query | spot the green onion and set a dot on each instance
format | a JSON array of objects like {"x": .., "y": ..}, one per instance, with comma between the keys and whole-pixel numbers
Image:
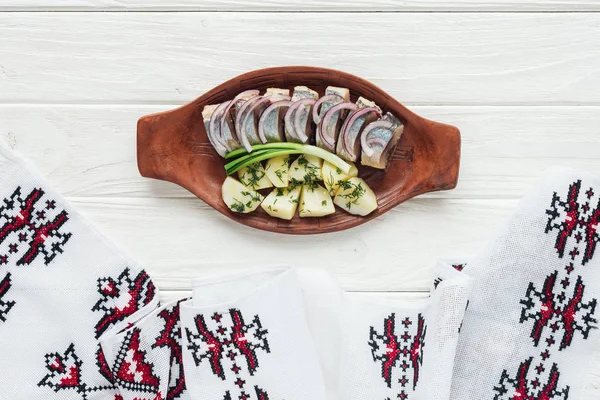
[{"x": 262, "y": 152}]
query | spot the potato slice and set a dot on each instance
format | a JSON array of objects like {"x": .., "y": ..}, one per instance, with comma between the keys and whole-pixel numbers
[
  {"x": 332, "y": 176},
  {"x": 306, "y": 168},
  {"x": 254, "y": 177},
  {"x": 282, "y": 202},
  {"x": 277, "y": 170},
  {"x": 356, "y": 197},
  {"x": 238, "y": 197},
  {"x": 315, "y": 201}
]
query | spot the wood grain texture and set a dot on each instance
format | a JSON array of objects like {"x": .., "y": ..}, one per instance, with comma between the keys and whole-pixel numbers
[
  {"x": 424, "y": 58},
  {"x": 180, "y": 239},
  {"x": 89, "y": 151},
  {"x": 173, "y": 295},
  {"x": 304, "y": 5}
]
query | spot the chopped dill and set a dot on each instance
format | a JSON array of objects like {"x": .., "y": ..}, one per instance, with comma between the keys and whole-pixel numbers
[
  {"x": 279, "y": 174},
  {"x": 302, "y": 160},
  {"x": 354, "y": 196},
  {"x": 253, "y": 175},
  {"x": 238, "y": 206}
]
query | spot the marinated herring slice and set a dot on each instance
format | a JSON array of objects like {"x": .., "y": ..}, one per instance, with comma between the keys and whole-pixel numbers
[
  {"x": 348, "y": 144},
  {"x": 271, "y": 125},
  {"x": 362, "y": 103},
  {"x": 330, "y": 125},
  {"x": 281, "y": 92},
  {"x": 249, "y": 125},
  {"x": 303, "y": 92},
  {"x": 333, "y": 95},
  {"x": 379, "y": 140},
  {"x": 228, "y": 129},
  {"x": 298, "y": 121},
  {"x": 207, "y": 113}
]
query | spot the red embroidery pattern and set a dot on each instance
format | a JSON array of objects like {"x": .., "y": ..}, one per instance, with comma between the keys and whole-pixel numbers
[
  {"x": 103, "y": 366},
  {"x": 5, "y": 305},
  {"x": 231, "y": 350},
  {"x": 459, "y": 267},
  {"x": 575, "y": 220},
  {"x": 170, "y": 338},
  {"x": 524, "y": 388},
  {"x": 560, "y": 308},
  {"x": 563, "y": 315},
  {"x": 399, "y": 353},
  {"x": 122, "y": 297},
  {"x": 31, "y": 229},
  {"x": 65, "y": 374},
  {"x": 131, "y": 369}
]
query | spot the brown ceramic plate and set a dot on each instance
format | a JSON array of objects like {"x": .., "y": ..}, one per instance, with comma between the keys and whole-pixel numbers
[{"x": 173, "y": 146}]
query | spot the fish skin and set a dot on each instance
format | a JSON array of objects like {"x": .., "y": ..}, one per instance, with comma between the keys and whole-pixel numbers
[
  {"x": 344, "y": 93},
  {"x": 283, "y": 92},
  {"x": 300, "y": 92},
  {"x": 303, "y": 92},
  {"x": 362, "y": 102},
  {"x": 355, "y": 131},
  {"x": 381, "y": 158},
  {"x": 207, "y": 113},
  {"x": 228, "y": 131}
]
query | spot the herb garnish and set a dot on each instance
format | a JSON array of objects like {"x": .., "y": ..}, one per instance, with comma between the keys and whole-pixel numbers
[
  {"x": 238, "y": 206},
  {"x": 354, "y": 196}
]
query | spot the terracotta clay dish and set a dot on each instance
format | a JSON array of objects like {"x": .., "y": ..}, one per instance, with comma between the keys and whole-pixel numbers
[{"x": 173, "y": 146}]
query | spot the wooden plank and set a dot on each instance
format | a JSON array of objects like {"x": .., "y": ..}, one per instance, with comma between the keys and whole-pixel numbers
[
  {"x": 304, "y": 5},
  {"x": 179, "y": 239},
  {"x": 172, "y": 295},
  {"x": 89, "y": 151},
  {"x": 423, "y": 58}
]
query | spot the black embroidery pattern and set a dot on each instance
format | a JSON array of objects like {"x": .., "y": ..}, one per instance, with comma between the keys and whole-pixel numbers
[
  {"x": 31, "y": 228},
  {"x": 399, "y": 355},
  {"x": 560, "y": 309},
  {"x": 231, "y": 348},
  {"x": 170, "y": 338},
  {"x": 131, "y": 369},
  {"x": 5, "y": 304},
  {"x": 122, "y": 297},
  {"x": 65, "y": 374}
]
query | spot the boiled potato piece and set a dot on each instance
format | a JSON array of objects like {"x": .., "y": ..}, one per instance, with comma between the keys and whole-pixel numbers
[
  {"x": 238, "y": 197},
  {"x": 306, "y": 168},
  {"x": 355, "y": 197},
  {"x": 282, "y": 202},
  {"x": 277, "y": 170},
  {"x": 254, "y": 177},
  {"x": 332, "y": 176},
  {"x": 315, "y": 201}
]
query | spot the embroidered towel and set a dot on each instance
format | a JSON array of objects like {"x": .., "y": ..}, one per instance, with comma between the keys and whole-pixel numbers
[
  {"x": 145, "y": 360},
  {"x": 246, "y": 337},
  {"x": 404, "y": 350},
  {"x": 62, "y": 287},
  {"x": 530, "y": 331}
]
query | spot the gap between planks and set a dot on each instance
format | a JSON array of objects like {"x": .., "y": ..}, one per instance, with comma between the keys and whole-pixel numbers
[{"x": 308, "y": 11}]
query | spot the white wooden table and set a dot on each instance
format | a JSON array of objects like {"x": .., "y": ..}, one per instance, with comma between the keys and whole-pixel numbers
[{"x": 521, "y": 79}]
